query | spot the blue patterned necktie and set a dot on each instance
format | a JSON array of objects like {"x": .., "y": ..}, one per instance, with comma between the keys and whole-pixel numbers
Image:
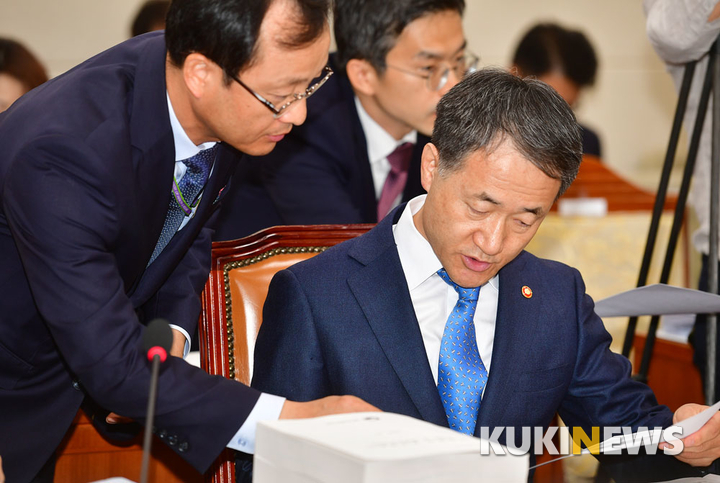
[
  {"x": 185, "y": 195},
  {"x": 462, "y": 374}
]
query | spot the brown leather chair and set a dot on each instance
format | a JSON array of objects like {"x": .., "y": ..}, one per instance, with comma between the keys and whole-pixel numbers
[{"x": 240, "y": 274}]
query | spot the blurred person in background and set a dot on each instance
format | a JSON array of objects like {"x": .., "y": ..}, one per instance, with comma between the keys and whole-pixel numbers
[
  {"x": 20, "y": 71},
  {"x": 150, "y": 17},
  {"x": 566, "y": 61}
]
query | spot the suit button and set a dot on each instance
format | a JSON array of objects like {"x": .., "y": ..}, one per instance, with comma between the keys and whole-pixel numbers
[
  {"x": 76, "y": 385},
  {"x": 172, "y": 440},
  {"x": 162, "y": 434},
  {"x": 184, "y": 446}
]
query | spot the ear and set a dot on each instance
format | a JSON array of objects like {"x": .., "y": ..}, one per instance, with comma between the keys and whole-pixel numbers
[
  {"x": 362, "y": 76},
  {"x": 429, "y": 165},
  {"x": 198, "y": 73},
  {"x": 515, "y": 70}
]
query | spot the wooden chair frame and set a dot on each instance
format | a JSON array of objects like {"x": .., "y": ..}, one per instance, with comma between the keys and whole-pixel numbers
[{"x": 219, "y": 336}]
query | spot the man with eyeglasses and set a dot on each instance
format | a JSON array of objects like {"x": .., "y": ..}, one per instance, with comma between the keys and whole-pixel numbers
[
  {"x": 110, "y": 176},
  {"x": 358, "y": 154}
]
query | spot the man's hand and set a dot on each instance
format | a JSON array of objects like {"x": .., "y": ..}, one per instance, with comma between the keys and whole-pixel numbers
[
  {"x": 702, "y": 447},
  {"x": 2, "y": 475},
  {"x": 178, "y": 344},
  {"x": 325, "y": 406}
]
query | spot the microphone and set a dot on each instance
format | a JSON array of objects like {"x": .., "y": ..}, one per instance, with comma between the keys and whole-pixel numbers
[{"x": 157, "y": 341}]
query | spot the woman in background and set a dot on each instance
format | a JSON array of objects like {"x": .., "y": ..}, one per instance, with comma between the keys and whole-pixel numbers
[{"x": 20, "y": 71}]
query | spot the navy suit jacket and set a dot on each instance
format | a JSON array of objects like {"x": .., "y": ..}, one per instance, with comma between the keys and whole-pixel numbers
[
  {"x": 320, "y": 172},
  {"x": 343, "y": 323},
  {"x": 86, "y": 170}
]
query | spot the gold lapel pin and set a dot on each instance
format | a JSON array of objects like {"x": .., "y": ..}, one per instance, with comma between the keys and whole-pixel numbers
[{"x": 527, "y": 292}]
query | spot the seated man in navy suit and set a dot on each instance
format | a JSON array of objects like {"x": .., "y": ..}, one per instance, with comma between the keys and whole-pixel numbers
[
  {"x": 442, "y": 288},
  {"x": 109, "y": 178},
  {"x": 358, "y": 154}
]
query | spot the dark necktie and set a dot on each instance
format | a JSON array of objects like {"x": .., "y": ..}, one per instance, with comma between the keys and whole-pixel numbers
[
  {"x": 461, "y": 373},
  {"x": 396, "y": 178},
  {"x": 185, "y": 195}
]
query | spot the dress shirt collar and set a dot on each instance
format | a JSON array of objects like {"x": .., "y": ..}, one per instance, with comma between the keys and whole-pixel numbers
[
  {"x": 184, "y": 147},
  {"x": 380, "y": 144},
  {"x": 417, "y": 257}
]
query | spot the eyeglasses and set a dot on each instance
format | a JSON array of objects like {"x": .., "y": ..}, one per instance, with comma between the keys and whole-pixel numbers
[
  {"x": 292, "y": 99},
  {"x": 437, "y": 77}
]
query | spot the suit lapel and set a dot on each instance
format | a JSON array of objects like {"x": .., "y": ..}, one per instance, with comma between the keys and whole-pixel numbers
[
  {"x": 158, "y": 271},
  {"x": 515, "y": 327},
  {"x": 381, "y": 291},
  {"x": 153, "y": 153},
  {"x": 362, "y": 162}
]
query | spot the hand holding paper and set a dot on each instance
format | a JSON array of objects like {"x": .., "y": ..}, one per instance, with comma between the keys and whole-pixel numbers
[{"x": 702, "y": 444}]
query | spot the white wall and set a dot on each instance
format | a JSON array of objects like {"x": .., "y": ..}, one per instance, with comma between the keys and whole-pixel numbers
[
  {"x": 632, "y": 104},
  {"x": 62, "y": 33},
  {"x": 631, "y": 107}
]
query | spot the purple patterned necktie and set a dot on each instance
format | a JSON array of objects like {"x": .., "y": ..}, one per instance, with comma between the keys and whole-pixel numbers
[
  {"x": 185, "y": 195},
  {"x": 461, "y": 373},
  {"x": 395, "y": 181}
]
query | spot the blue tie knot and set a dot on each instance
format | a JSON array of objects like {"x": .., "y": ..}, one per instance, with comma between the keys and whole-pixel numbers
[
  {"x": 185, "y": 195},
  {"x": 201, "y": 163},
  {"x": 465, "y": 294}
]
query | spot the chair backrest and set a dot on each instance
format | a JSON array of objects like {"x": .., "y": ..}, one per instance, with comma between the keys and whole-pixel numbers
[{"x": 234, "y": 295}]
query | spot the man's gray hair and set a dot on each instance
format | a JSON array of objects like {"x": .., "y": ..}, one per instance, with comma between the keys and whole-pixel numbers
[{"x": 492, "y": 106}]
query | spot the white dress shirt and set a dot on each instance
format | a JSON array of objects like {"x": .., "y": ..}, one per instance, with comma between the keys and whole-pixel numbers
[
  {"x": 433, "y": 300},
  {"x": 380, "y": 145},
  {"x": 268, "y": 407}
]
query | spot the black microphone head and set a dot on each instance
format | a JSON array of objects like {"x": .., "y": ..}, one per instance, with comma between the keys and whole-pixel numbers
[{"x": 158, "y": 334}]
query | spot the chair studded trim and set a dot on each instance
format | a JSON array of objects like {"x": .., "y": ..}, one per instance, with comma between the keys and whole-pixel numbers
[
  {"x": 243, "y": 269},
  {"x": 230, "y": 333}
]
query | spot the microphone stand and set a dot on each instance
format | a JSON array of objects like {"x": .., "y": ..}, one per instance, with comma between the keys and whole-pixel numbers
[
  {"x": 714, "y": 214},
  {"x": 147, "y": 439},
  {"x": 712, "y": 79},
  {"x": 157, "y": 341}
]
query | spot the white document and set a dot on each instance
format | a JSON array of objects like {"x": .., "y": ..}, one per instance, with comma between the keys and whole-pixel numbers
[
  {"x": 694, "y": 423},
  {"x": 375, "y": 447},
  {"x": 658, "y": 299},
  {"x": 688, "y": 427},
  {"x": 644, "y": 438}
]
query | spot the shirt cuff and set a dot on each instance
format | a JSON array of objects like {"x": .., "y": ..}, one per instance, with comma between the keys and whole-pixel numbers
[
  {"x": 186, "y": 349},
  {"x": 267, "y": 408}
]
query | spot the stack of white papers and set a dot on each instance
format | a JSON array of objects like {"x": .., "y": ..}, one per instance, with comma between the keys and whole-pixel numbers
[{"x": 377, "y": 448}]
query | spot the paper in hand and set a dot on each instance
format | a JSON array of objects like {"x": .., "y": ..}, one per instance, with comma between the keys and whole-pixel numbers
[{"x": 658, "y": 299}]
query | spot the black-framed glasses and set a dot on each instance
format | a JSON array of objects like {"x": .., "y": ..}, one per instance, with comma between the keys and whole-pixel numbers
[
  {"x": 437, "y": 77},
  {"x": 293, "y": 98}
]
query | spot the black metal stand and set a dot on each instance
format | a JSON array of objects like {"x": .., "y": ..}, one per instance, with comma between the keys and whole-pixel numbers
[
  {"x": 714, "y": 213},
  {"x": 712, "y": 77}
]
